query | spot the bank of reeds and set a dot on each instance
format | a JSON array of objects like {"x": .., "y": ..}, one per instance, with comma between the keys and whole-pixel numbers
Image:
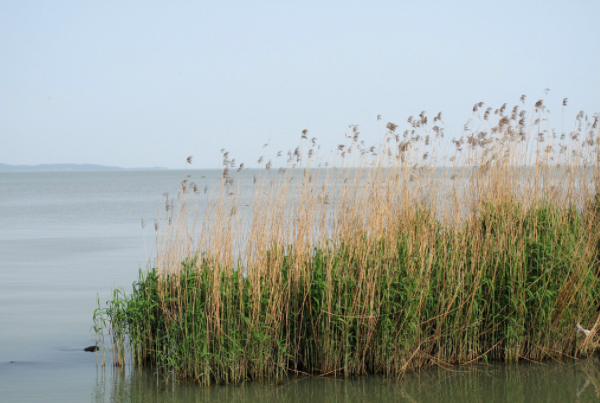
[{"x": 416, "y": 252}]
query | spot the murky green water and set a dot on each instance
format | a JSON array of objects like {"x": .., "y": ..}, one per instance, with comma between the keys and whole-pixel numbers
[
  {"x": 548, "y": 382},
  {"x": 82, "y": 381},
  {"x": 66, "y": 237}
]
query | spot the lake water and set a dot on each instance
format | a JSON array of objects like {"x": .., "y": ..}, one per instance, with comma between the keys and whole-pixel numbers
[{"x": 67, "y": 237}]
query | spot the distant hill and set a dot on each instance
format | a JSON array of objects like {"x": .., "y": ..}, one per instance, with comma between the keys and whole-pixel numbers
[{"x": 66, "y": 168}]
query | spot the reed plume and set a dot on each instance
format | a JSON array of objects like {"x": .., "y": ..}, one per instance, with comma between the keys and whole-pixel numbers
[{"x": 412, "y": 253}]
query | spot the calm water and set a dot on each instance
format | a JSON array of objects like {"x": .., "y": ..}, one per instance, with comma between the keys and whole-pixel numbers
[{"x": 66, "y": 237}]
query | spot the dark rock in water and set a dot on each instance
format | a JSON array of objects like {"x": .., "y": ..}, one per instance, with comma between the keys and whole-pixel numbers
[
  {"x": 12, "y": 362},
  {"x": 91, "y": 349}
]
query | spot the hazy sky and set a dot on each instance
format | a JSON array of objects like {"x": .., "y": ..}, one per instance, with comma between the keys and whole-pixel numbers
[{"x": 147, "y": 83}]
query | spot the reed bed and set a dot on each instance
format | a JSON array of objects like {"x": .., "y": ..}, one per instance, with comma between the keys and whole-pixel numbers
[{"x": 416, "y": 252}]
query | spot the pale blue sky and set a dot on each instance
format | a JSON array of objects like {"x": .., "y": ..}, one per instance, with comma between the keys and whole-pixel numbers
[{"x": 147, "y": 83}]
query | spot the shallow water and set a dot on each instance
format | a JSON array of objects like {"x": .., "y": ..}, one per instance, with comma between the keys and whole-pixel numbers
[
  {"x": 551, "y": 382},
  {"x": 67, "y": 237}
]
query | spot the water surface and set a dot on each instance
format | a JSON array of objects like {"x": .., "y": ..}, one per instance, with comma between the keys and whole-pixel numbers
[{"x": 67, "y": 237}]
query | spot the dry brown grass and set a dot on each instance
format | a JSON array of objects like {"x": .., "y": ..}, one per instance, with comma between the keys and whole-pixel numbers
[{"x": 419, "y": 251}]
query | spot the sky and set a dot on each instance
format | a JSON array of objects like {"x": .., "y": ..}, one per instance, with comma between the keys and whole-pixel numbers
[{"x": 149, "y": 83}]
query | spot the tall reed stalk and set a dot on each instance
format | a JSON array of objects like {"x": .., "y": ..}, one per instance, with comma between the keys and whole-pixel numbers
[{"x": 390, "y": 258}]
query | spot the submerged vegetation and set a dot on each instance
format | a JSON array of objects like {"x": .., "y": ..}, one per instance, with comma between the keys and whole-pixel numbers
[{"x": 413, "y": 253}]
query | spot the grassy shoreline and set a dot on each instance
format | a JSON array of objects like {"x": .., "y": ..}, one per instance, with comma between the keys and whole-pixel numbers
[{"x": 386, "y": 269}]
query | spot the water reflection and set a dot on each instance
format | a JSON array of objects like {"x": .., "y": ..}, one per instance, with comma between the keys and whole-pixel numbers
[{"x": 567, "y": 381}]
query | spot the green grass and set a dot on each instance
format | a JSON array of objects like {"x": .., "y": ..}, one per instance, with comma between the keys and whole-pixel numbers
[
  {"x": 506, "y": 290},
  {"x": 395, "y": 258}
]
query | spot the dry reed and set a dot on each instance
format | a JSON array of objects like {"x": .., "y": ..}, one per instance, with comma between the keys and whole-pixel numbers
[{"x": 389, "y": 258}]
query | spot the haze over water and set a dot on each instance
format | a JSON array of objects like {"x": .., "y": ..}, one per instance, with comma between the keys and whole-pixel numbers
[{"x": 66, "y": 237}]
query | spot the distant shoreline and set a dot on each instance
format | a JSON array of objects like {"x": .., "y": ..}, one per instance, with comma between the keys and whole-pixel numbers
[{"x": 69, "y": 168}]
